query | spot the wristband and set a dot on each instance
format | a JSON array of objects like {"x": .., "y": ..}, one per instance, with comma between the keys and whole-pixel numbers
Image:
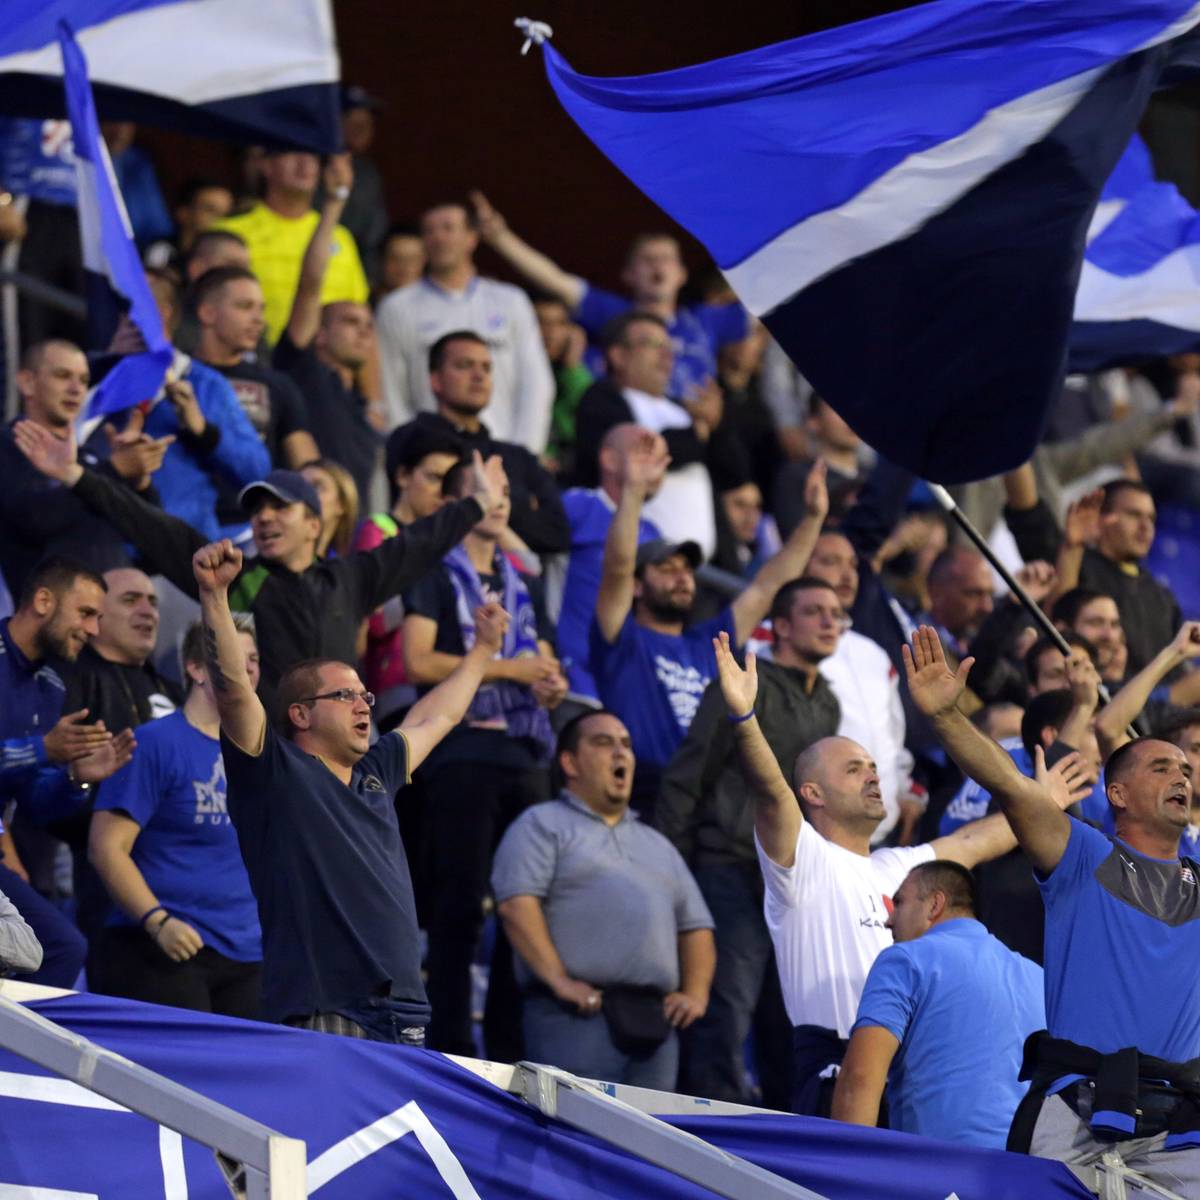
[
  {"x": 149, "y": 913},
  {"x": 744, "y": 717},
  {"x": 160, "y": 926}
]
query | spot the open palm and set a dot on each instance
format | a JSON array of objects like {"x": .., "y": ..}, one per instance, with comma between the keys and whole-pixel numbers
[
  {"x": 737, "y": 686},
  {"x": 933, "y": 686}
]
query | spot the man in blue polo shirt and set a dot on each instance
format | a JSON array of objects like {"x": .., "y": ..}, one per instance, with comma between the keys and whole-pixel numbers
[
  {"x": 925, "y": 1002},
  {"x": 650, "y": 667},
  {"x": 1114, "y": 1077},
  {"x": 315, "y": 819}
]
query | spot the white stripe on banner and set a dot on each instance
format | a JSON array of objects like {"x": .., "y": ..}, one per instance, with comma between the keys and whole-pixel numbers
[
  {"x": 219, "y": 49},
  {"x": 15, "y": 1191},
  {"x": 1169, "y": 292},
  {"x": 170, "y": 1152},
  {"x": 53, "y": 1091},
  {"x": 914, "y": 191},
  {"x": 352, "y": 1150},
  {"x": 89, "y": 218}
]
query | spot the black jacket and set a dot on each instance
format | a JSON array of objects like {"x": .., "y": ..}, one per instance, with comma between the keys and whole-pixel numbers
[
  {"x": 537, "y": 516},
  {"x": 704, "y": 803},
  {"x": 121, "y": 696},
  {"x": 313, "y": 614}
]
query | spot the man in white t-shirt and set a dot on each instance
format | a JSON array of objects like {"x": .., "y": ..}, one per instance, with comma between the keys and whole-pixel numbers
[{"x": 828, "y": 896}]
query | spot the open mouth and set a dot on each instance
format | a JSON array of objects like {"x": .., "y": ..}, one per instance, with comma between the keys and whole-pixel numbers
[
  {"x": 363, "y": 727},
  {"x": 621, "y": 773}
]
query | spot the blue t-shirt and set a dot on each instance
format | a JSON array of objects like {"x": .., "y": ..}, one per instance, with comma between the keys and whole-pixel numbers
[
  {"x": 973, "y": 801},
  {"x": 961, "y": 1005},
  {"x": 590, "y": 513},
  {"x": 653, "y": 681},
  {"x": 698, "y": 331},
  {"x": 187, "y": 851},
  {"x": 329, "y": 870},
  {"x": 1123, "y": 948}
]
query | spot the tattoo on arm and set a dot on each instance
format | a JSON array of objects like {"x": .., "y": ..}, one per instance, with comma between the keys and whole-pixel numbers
[{"x": 212, "y": 660}]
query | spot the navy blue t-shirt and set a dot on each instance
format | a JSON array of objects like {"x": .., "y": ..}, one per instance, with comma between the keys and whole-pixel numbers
[
  {"x": 329, "y": 870},
  {"x": 187, "y": 851},
  {"x": 653, "y": 681},
  {"x": 1123, "y": 948}
]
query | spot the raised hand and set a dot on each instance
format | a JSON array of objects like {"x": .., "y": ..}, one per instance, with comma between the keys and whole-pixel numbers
[
  {"x": 551, "y": 691},
  {"x": 1067, "y": 782},
  {"x": 105, "y": 761},
  {"x": 1083, "y": 678},
  {"x": 816, "y": 491},
  {"x": 490, "y": 478},
  {"x": 1082, "y": 526},
  {"x": 135, "y": 455},
  {"x": 187, "y": 408},
  {"x": 55, "y": 457},
  {"x": 216, "y": 565},
  {"x": 491, "y": 624},
  {"x": 933, "y": 686},
  {"x": 1038, "y": 579},
  {"x": 1186, "y": 643},
  {"x": 644, "y": 464},
  {"x": 487, "y": 220},
  {"x": 71, "y": 739},
  {"x": 739, "y": 687},
  {"x": 338, "y": 173}
]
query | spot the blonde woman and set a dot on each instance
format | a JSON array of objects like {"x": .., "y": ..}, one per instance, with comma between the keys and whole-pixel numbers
[{"x": 339, "y": 505}]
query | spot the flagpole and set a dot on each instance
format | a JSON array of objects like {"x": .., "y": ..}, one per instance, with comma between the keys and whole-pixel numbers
[{"x": 1031, "y": 606}]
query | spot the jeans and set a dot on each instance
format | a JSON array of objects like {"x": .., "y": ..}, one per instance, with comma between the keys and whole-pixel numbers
[
  {"x": 561, "y": 1038},
  {"x": 63, "y": 947},
  {"x": 745, "y": 994}
]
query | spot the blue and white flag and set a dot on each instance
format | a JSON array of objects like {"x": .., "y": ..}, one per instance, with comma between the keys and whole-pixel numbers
[
  {"x": 110, "y": 257},
  {"x": 245, "y": 70},
  {"x": 905, "y": 201},
  {"x": 1139, "y": 294}
]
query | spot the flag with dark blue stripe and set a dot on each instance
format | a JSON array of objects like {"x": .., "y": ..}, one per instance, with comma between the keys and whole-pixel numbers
[
  {"x": 110, "y": 257},
  {"x": 905, "y": 201},
  {"x": 1139, "y": 294}
]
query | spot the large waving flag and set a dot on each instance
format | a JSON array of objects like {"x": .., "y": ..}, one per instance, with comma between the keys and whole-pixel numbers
[
  {"x": 246, "y": 70},
  {"x": 905, "y": 201},
  {"x": 110, "y": 256},
  {"x": 1139, "y": 294}
]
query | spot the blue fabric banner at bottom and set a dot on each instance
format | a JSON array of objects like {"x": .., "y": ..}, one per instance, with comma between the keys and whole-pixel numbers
[{"x": 381, "y": 1122}]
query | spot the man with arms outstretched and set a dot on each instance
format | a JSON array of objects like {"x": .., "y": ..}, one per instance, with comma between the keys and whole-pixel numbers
[
  {"x": 828, "y": 896},
  {"x": 1116, "y": 1076},
  {"x": 313, "y": 809}
]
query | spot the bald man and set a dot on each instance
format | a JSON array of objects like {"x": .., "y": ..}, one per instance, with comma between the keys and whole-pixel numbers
[
  {"x": 590, "y": 512},
  {"x": 828, "y": 896}
]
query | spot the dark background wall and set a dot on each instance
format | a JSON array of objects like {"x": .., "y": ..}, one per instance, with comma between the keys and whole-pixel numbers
[{"x": 464, "y": 109}]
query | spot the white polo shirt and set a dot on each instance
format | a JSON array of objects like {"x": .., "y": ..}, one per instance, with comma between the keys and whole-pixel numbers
[{"x": 826, "y": 916}]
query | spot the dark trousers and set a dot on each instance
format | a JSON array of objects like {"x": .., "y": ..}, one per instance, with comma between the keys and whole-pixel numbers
[
  {"x": 745, "y": 995},
  {"x": 135, "y": 968},
  {"x": 468, "y": 807},
  {"x": 817, "y": 1054},
  {"x": 63, "y": 946}
]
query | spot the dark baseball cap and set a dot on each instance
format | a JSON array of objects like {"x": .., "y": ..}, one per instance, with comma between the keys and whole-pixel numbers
[
  {"x": 289, "y": 486},
  {"x": 659, "y": 550}
]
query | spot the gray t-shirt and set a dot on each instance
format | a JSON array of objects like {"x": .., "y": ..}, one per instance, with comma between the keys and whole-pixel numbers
[{"x": 616, "y": 897}]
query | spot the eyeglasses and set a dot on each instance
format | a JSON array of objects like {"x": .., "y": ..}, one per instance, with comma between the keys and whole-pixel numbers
[{"x": 344, "y": 695}]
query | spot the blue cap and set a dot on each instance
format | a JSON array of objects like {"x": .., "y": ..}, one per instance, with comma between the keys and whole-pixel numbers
[{"x": 289, "y": 486}]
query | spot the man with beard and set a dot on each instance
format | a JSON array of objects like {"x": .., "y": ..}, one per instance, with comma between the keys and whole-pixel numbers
[
  {"x": 828, "y": 894},
  {"x": 49, "y": 761},
  {"x": 650, "y": 667}
]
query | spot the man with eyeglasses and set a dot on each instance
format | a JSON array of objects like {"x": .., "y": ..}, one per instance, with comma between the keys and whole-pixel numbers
[
  {"x": 705, "y": 810},
  {"x": 313, "y": 809}
]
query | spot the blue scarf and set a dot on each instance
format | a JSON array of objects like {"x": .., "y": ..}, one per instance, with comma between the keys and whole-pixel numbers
[{"x": 511, "y": 702}]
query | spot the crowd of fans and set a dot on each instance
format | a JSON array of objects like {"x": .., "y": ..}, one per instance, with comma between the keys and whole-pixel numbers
[{"x": 553, "y": 674}]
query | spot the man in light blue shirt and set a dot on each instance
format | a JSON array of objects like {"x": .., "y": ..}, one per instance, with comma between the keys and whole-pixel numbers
[{"x": 943, "y": 1019}]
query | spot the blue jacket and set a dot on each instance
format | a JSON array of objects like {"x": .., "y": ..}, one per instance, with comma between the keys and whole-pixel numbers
[
  {"x": 31, "y": 701},
  {"x": 230, "y": 448}
]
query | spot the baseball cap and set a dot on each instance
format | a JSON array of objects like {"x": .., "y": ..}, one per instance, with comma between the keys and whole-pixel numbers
[
  {"x": 289, "y": 486},
  {"x": 659, "y": 550}
]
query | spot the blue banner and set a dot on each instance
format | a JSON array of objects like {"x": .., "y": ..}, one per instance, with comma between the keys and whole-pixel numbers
[{"x": 383, "y": 1122}]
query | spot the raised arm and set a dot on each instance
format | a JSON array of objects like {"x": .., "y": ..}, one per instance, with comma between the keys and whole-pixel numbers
[
  {"x": 1040, "y": 825},
  {"x": 788, "y": 563},
  {"x": 642, "y": 470},
  {"x": 439, "y": 710},
  {"x": 1114, "y": 719},
  {"x": 165, "y": 543},
  {"x": 777, "y": 816},
  {"x": 541, "y": 270},
  {"x": 305, "y": 317},
  {"x": 243, "y": 718}
]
